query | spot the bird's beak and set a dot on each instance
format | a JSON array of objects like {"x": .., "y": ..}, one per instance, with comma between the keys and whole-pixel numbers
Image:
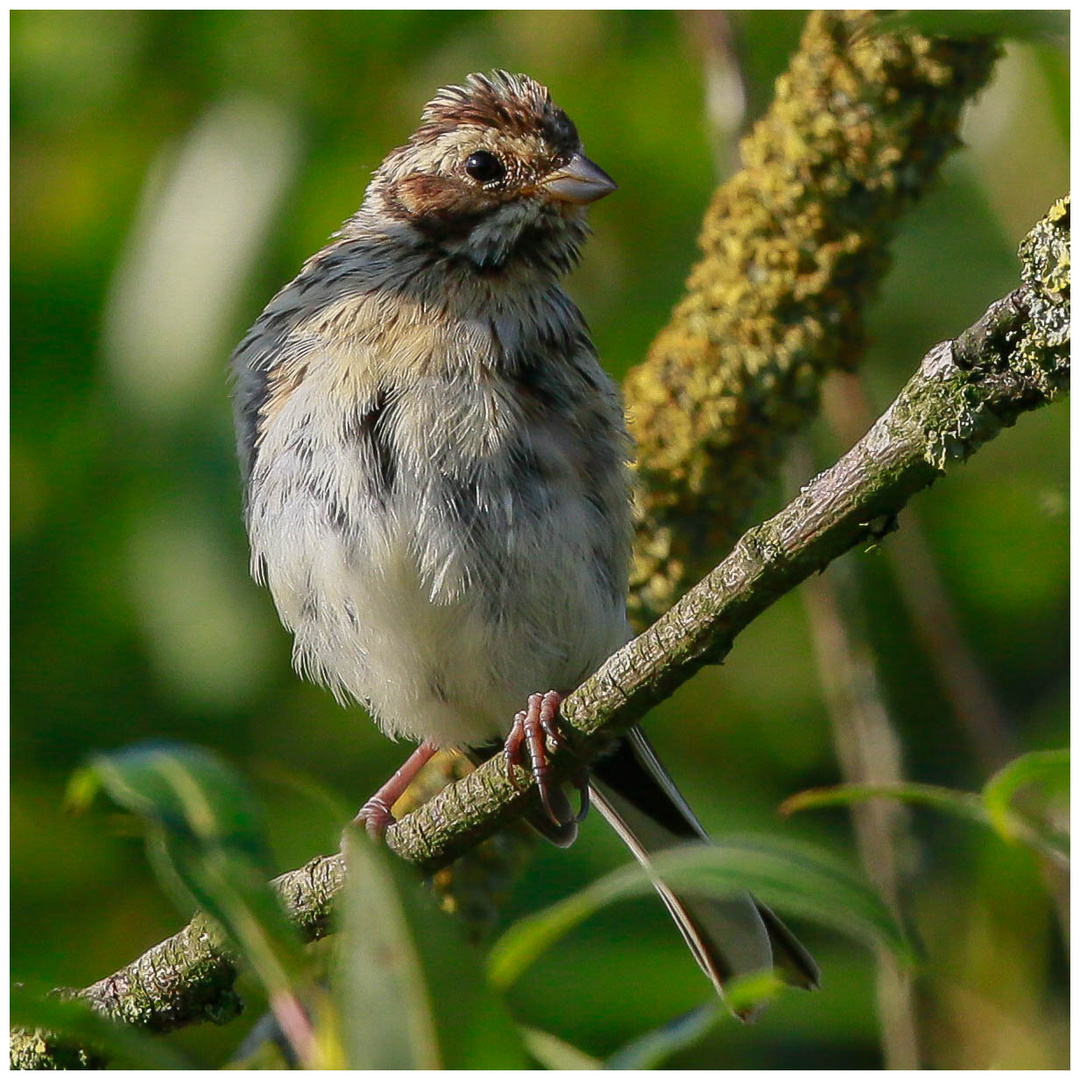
[{"x": 579, "y": 181}]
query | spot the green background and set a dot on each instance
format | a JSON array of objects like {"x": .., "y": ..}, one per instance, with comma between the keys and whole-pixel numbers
[{"x": 169, "y": 171}]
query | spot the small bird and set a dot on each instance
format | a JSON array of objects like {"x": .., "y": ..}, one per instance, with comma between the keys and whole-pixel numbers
[{"x": 437, "y": 484}]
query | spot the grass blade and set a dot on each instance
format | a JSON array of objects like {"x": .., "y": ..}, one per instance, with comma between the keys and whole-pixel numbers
[
  {"x": 1048, "y": 768},
  {"x": 207, "y": 841},
  {"x": 794, "y": 878},
  {"x": 555, "y": 1053},
  {"x": 412, "y": 993}
]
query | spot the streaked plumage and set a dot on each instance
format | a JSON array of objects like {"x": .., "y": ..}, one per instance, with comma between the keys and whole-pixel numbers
[
  {"x": 437, "y": 490},
  {"x": 435, "y": 463}
]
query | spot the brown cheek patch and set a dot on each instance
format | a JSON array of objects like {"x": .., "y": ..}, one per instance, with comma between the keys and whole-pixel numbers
[{"x": 439, "y": 206}]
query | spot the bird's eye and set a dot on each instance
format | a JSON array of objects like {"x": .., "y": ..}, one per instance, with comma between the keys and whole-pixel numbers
[{"x": 484, "y": 167}]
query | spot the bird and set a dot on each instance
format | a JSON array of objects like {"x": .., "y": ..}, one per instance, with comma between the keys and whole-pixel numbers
[{"x": 437, "y": 481}]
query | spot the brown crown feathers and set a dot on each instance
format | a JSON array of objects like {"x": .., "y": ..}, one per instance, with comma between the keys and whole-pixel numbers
[{"x": 495, "y": 169}]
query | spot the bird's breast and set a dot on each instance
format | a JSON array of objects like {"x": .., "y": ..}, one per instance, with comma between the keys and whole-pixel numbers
[{"x": 437, "y": 496}]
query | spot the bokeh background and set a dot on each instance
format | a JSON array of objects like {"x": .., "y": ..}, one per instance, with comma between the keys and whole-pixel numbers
[{"x": 169, "y": 171}]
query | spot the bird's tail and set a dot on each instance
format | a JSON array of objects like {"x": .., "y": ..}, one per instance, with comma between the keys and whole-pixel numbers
[{"x": 729, "y": 936}]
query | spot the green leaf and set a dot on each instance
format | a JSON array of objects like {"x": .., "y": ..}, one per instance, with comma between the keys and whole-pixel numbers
[
  {"x": 412, "y": 994},
  {"x": 187, "y": 790},
  {"x": 991, "y": 809},
  {"x": 555, "y": 1053},
  {"x": 959, "y": 803},
  {"x": 791, "y": 877},
  {"x": 122, "y": 1045},
  {"x": 1049, "y": 768},
  {"x": 207, "y": 841},
  {"x": 746, "y": 993},
  {"x": 81, "y": 789}
]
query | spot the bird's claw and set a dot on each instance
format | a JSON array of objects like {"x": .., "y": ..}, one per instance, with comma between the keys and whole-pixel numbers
[
  {"x": 530, "y": 733},
  {"x": 375, "y": 816}
]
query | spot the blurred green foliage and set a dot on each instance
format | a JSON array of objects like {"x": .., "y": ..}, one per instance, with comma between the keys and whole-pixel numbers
[{"x": 169, "y": 170}]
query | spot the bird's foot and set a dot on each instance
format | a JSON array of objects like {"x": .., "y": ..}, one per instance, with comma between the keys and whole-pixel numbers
[
  {"x": 375, "y": 815},
  {"x": 533, "y": 730}
]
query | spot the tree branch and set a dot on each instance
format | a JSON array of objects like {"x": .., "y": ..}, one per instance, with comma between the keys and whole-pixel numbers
[
  {"x": 794, "y": 247},
  {"x": 1013, "y": 360}
]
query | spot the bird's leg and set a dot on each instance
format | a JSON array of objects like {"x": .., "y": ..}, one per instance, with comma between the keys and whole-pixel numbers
[
  {"x": 531, "y": 731},
  {"x": 375, "y": 815}
]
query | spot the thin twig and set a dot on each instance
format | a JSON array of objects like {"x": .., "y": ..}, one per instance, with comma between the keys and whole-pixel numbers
[{"x": 868, "y": 750}]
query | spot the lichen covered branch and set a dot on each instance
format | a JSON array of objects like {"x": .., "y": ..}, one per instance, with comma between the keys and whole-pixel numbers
[{"x": 793, "y": 249}]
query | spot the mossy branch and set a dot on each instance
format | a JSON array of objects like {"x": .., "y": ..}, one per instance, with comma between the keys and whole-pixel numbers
[
  {"x": 794, "y": 247},
  {"x": 1013, "y": 360}
]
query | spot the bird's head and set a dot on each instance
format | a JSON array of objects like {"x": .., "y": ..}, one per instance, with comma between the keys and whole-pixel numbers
[{"x": 495, "y": 173}]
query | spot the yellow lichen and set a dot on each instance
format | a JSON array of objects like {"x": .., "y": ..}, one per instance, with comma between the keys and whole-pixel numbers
[{"x": 793, "y": 247}]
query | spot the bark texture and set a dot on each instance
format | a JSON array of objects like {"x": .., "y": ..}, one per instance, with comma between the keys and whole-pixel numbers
[{"x": 794, "y": 247}]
